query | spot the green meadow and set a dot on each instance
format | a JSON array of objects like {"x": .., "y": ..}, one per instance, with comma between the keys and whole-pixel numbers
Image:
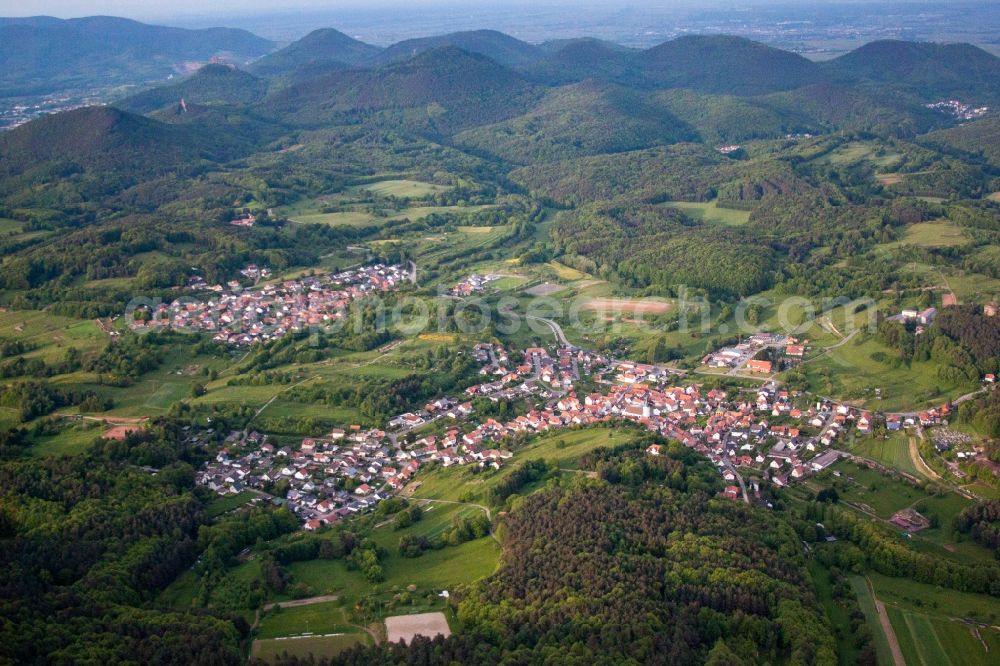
[
  {"x": 409, "y": 189},
  {"x": 710, "y": 211}
]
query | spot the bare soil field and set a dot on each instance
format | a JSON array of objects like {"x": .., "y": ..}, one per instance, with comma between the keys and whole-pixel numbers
[
  {"x": 544, "y": 289},
  {"x": 405, "y": 627},
  {"x": 645, "y": 306}
]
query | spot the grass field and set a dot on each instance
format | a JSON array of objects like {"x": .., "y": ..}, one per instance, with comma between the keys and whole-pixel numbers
[
  {"x": 867, "y": 603},
  {"x": 710, "y": 211},
  {"x": 564, "y": 272},
  {"x": 935, "y": 600},
  {"x": 561, "y": 448},
  {"x": 324, "y": 618},
  {"x": 75, "y": 438},
  {"x": 268, "y": 650},
  {"x": 880, "y": 494},
  {"x": 941, "y": 233},
  {"x": 8, "y": 225},
  {"x": 927, "y": 641},
  {"x": 51, "y": 334},
  {"x": 223, "y": 504},
  {"x": 851, "y": 373},
  {"x": 509, "y": 283},
  {"x": 434, "y": 570},
  {"x": 847, "y": 652},
  {"x": 180, "y": 593},
  {"x": 411, "y": 189},
  {"x": 894, "y": 451}
]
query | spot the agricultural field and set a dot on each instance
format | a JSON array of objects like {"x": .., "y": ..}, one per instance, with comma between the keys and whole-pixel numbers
[
  {"x": 51, "y": 335},
  {"x": 361, "y": 218},
  {"x": 873, "y": 493},
  {"x": 866, "y": 600},
  {"x": 935, "y": 600},
  {"x": 935, "y": 641},
  {"x": 711, "y": 212},
  {"x": 893, "y": 451}
]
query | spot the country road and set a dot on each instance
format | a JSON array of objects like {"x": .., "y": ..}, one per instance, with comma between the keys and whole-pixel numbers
[{"x": 556, "y": 329}]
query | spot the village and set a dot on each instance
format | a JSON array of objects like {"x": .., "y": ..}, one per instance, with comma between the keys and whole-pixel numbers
[
  {"x": 243, "y": 317},
  {"x": 752, "y": 436}
]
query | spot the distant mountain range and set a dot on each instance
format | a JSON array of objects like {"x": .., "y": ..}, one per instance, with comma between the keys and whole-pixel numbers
[
  {"x": 43, "y": 54},
  {"x": 506, "y": 100}
]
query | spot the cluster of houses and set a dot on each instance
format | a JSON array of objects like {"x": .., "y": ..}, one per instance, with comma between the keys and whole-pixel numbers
[
  {"x": 770, "y": 434},
  {"x": 245, "y": 317},
  {"x": 324, "y": 480},
  {"x": 472, "y": 284},
  {"x": 959, "y": 110}
]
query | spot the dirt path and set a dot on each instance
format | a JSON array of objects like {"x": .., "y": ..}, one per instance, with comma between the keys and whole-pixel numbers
[
  {"x": 485, "y": 509},
  {"x": 110, "y": 420},
  {"x": 275, "y": 397},
  {"x": 919, "y": 463},
  {"x": 890, "y": 634},
  {"x": 302, "y": 602}
]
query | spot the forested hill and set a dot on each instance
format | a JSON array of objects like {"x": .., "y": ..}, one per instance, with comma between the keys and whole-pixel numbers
[
  {"x": 505, "y": 49},
  {"x": 324, "y": 47},
  {"x": 928, "y": 71},
  {"x": 640, "y": 567},
  {"x": 98, "y": 138},
  {"x": 723, "y": 64},
  {"x": 447, "y": 89},
  {"x": 212, "y": 84},
  {"x": 41, "y": 54}
]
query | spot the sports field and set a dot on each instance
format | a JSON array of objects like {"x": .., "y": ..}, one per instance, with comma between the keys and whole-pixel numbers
[
  {"x": 407, "y": 627},
  {"x": 268, "y": 650}
]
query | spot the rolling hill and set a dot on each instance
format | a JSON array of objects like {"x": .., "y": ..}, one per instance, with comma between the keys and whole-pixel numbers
[
  {"x": 722, "y": 119},
  {"x": 588, "y": 118},
  {"x": 580, "y": 59},
  {"x": 825, "y": 106},
  {"x": 42, "y": 54},
  {"x": 928, "y": 71},
  {"x": 94, "y": 152},
  {"x": 320, "y": 48},
  {"x": 725, "y": 65},
  {"x": 497, "y": 46},
  {"x": 442, "y": 90},
  {"x": 210, "y": 85},
  {"x": 981, "y": 137}
]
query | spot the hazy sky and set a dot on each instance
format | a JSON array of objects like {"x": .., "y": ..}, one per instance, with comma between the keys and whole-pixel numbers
[
  {"x": 162, "y": 8},
  {"x": 166, "y": 8}
]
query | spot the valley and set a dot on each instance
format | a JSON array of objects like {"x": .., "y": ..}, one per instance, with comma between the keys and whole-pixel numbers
[{"x": 683, "y": 354}]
